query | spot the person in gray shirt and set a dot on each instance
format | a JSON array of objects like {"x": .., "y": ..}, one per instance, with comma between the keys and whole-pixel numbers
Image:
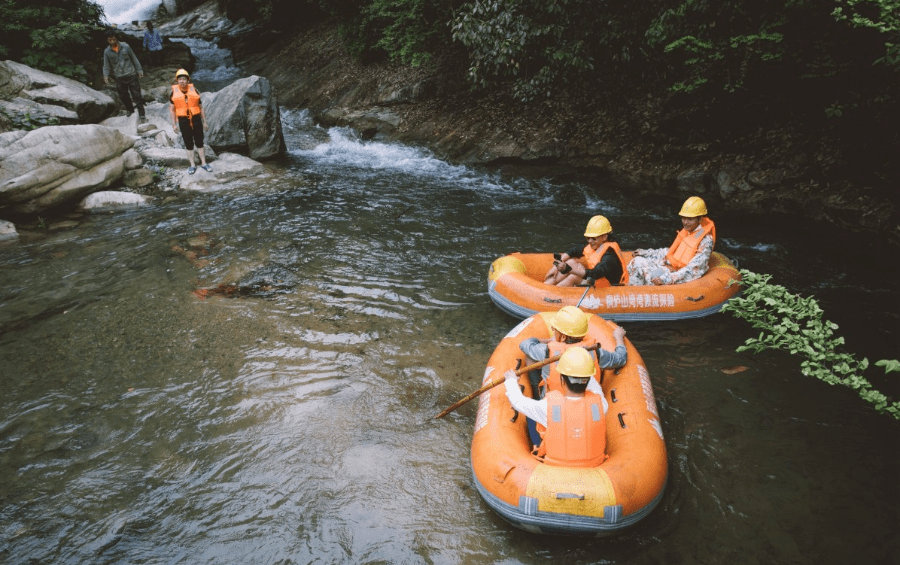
[{"x": 122, "y": 64}]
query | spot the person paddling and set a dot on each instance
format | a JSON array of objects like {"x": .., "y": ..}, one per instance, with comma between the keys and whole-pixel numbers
[
  {"x": 571, "y": 420},
  {"x": 569, "y": 327}
]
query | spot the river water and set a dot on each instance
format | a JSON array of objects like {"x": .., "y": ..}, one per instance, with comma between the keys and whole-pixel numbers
[{"x": 289, "y": 420}]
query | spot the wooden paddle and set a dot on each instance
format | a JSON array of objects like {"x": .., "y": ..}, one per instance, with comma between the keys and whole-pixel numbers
[{"x": 497, "y": 380}]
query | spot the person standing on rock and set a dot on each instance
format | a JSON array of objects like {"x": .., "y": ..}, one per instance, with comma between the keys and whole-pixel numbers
[
  {"x": 152, "y": 44},
  {"x": 186, "y": 109},
  {"x": 120, "y": 61}
]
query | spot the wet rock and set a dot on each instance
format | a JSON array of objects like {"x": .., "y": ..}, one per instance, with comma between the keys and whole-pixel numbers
[
  {"x": 26, "y": 114},
  {"x": 107, "y": 199},
  {"x": 146, "y": 128},
  {"x": 131, "y": 159},
  {"x": 7, "y": 230},
  {"x": 730, "y": 181},
  {"x": 694, "y": 181},
  {"x": 138, "y": 178},
  {"x": 172, "y": 157},
  {"x": 267, "y": 280},
  {"x": 229, "y": 171},
  {"x": 205, "y": 22},
  {"x": 18, "y": 81},
  {"x": 368, "y": 122},
  {"x": 52, "y": 165},
  {"x": 245, "y": 118}
]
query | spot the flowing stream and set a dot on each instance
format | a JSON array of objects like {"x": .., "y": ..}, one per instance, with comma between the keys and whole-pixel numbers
[{"x": 250, "y": 376}]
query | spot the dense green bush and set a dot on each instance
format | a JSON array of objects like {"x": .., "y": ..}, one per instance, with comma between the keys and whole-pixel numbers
[
  {"x": 795, "y": 324},
  {"x": 47, "y": 35},
  {"x": 539, "y": 45}
]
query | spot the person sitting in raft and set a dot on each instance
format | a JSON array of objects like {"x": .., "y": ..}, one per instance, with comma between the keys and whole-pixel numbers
[
  {"x": 573, "y": 419},
  {"x": 599, "y": 260},
  {"x": 569, "y": 327},
  {"x": 686, "y": 259}
]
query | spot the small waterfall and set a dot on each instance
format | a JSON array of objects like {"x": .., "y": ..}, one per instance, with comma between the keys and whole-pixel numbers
[{"x": 215, "y": 68}]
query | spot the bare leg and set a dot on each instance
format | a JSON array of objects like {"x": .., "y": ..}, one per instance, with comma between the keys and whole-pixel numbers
[
  {"x": 571, "y": 278},
  {"x": 190, "y": 153},
  {"x": 552, "y": 275},
  {"x": 202, "y": 152}
]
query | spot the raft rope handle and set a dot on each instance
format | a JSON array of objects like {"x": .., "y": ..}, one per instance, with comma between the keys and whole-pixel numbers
[
  {"x": 622, "y": 420},
  {"x": 570, "y": 495},
  {"x": 612, "y": 395},
  {"x": 692, "y": 299}
]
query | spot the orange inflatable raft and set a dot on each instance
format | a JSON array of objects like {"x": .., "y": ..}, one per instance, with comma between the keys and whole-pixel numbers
[
  {"x": 515, "y": 284},
  {"x": 544, "y": 498}
]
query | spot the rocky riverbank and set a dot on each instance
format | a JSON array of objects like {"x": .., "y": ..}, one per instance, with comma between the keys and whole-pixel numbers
[
  {"x": 782, "y": 169},
  {"x": 46, "y": 169}
]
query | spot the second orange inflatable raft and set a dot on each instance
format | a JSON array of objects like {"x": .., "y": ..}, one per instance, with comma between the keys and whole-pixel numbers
[
  {"x": 515, "y": 284},
  {"x": 551, "y": 499}
]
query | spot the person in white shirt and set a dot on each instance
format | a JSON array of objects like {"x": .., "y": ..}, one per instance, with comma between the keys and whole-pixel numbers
[{"x": 573, "y": 418}]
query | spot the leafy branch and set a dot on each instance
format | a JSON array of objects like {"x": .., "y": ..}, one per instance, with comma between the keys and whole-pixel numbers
[{"x": 789, "y": 322}]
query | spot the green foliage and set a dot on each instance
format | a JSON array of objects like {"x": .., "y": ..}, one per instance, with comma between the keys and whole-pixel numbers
[
  {"x": 736, "y": 43},
  {"x": 402, "y": 29},
  {"x": 27, "y": 121},
  {"x": 54, "y": 63},
  {"x": 791, "y": 323},
  {"x": 536, "y": 43},
  {"x": 834, "y": 111},
  {"x": 45, "y": 35},
  {"x": 880, "y": 15}
]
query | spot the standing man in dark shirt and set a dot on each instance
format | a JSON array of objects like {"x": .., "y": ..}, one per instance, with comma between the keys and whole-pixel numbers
[{"x": 122, "y": 64}]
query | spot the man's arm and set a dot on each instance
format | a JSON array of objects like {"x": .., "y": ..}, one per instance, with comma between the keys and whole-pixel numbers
[
  {"x": 617, "y": 358},
  {"x": 532, "y": 409},
  {"x": 106, "y": 65},
  {"x": 534, "y": 349},
  {"x": 135, "y": 62},
  {"x": 594, "y": 386}
]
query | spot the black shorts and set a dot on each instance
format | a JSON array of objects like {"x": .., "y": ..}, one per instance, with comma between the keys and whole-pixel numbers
[{"x": 191, "y": 131}]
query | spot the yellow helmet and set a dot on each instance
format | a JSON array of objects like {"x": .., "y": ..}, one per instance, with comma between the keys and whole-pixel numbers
[
  {"x": 571, "y": 321},
  {"x": 182, "y": 72},
  {"x": 576, "y": 362},
  {"x": 598, "y": 225},
  {"x": 693, "y": 207}
]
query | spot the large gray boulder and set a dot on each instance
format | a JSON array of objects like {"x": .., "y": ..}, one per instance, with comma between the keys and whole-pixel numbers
[
  {"x": 21, "y": 82},
  {"x": 244, "y": 118},
  {"x": 46, "y": 167},
  {"x": 230, "y": 171}
]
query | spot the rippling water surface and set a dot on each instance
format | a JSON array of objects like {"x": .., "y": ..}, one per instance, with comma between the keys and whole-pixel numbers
[{"x": 148, "y": 419}]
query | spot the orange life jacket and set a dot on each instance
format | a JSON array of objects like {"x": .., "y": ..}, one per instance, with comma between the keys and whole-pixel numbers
[
  {"x": 576, "y": 431},
  {"x": 592, "y": 258},
  {"x": 186, "y": 104},
  {"x": 556, "y": 348},
  {"x": 686, "y": 243}
]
